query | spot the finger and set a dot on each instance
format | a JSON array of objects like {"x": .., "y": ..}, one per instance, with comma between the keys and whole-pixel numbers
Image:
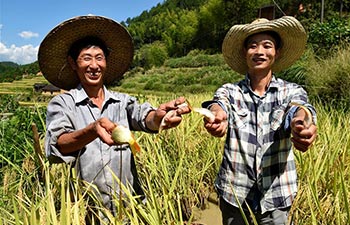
[
  {"x": 303, "y": 142},
  {"x": 183, "y": 110},
  {"x": 171, "y": 122},
  {"x": 216, "y": 129},
  {"x": 168, "y": 106},
  {"x": 305, "y": 134},
  {"x": 299, "y": 146},
  {"x": 106, "y": 124},
  {"x": 106, "y": 137},
  {"x": 179, "y": 101}
]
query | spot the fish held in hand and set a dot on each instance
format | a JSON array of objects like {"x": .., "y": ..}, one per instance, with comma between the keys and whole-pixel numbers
[
  {"x": 122, "y": 135},
  {"x": 172, "y": 113},
  {"x": 308, "y": 115},
  {"x": 208, "y": 115}
]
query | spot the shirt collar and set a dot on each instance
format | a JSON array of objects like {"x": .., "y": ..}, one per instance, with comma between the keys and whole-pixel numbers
[
  {"x": 82, "y": 96},
  {"x": 273, "y": 84}
]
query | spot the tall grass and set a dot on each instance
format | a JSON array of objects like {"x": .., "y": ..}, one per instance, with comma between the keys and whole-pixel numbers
[
  {"x": 324, "y": 172},
  {"x": 177, "y": 169},
  {"x": 329, "y": 79}
]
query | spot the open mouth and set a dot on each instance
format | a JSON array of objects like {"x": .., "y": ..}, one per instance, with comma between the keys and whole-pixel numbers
[
  {"x": 259, "y": 60},
  {"x": 94, "y": 74}
]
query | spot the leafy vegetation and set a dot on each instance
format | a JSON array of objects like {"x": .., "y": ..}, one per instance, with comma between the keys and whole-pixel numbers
[
  {"x": 10, "y": 71},
  {"x": 335, "y": 34}
]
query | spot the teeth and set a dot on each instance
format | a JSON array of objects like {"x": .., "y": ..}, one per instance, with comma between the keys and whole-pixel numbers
[{"x": 94, "y": 74}]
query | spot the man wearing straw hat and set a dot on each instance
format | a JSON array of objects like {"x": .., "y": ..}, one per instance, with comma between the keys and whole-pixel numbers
[
  {"x": 262, "y": 117},
  {"x": 82, "y": 55}
]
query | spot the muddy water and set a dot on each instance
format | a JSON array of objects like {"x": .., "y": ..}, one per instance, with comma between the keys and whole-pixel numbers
[{"x": 210, "y": 216}]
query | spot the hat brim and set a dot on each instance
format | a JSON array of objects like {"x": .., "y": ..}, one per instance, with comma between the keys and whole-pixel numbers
[
  {"x": 53, "y": 51},
  {"x": 293, "y": 42}
]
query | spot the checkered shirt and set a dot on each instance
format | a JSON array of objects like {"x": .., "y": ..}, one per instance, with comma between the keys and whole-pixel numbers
[{"x": 258, "y": 154}]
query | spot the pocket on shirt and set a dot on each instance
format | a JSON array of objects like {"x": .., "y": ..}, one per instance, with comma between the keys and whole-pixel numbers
[
  {"x": 277, "y": 116},
  {"x": 238, "y": 117}
]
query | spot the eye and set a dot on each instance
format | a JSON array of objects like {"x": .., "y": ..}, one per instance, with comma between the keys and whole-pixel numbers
[
  {"x": 87, "y": 58},
  {"x": 252, "y": 46},
  {"x": 100, "y": 58},
  {"x": 268, "y": 45}
]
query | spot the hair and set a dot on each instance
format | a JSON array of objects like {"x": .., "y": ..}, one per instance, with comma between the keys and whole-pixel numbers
[
  {"x": 87, "y": 42},
  {"x": 273, "y": 34}
]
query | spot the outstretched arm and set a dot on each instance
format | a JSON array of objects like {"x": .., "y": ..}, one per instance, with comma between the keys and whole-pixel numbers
[{"x": 73, "y": 141}]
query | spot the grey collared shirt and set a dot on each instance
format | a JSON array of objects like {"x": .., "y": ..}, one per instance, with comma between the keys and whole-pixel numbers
[{"x": 73, "y": 111}]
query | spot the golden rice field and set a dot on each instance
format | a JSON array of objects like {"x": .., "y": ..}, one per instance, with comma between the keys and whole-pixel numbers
[{"x": 177, "y": 169}]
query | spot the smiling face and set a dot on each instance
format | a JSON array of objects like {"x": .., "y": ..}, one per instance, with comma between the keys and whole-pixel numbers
[
  {"x": 261, "y": 52},
  {"x": 87, "y": 57},
  {"x": 90, "y": 66}
]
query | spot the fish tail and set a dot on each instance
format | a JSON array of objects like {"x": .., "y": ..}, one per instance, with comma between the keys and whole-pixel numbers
[{"x": 135, "y": 147}]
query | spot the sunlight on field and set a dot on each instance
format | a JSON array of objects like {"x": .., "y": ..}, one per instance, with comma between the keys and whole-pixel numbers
[{"x": 177, "y": 169}]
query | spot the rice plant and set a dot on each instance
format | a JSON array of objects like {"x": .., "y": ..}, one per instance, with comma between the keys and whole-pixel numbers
[{"x": 177, "y": 168}]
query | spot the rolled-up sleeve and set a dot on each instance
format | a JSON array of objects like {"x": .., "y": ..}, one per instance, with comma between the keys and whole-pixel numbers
[
  {"x": 299, "y": 97},
  {"x": 221, "y": 97},
  {"x": 137, "y": 114},
  {"x": 58, "y": 121}
]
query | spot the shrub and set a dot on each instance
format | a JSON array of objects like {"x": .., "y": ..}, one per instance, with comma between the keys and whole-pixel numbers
[
  {"x": 15, "y": 130},
  {"x": 330, "y": 79},
  {"x": 195, "y": 60},
  {"x": 326, "y": 38},
  {"x": 150, "y": 55}
]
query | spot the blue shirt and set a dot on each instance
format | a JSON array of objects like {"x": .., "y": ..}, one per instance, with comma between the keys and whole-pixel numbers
[
  {"x": 73, "y": 111},
  {"x": 258, "y": 162}
]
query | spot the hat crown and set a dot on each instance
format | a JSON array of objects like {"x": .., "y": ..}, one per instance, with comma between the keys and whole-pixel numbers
[{"x": 260, "y": 20}]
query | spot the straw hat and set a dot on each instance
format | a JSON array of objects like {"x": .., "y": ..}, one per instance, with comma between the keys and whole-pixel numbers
[
  {"x": 53, "y": 50},
  {"x": 293, "y": 42}
]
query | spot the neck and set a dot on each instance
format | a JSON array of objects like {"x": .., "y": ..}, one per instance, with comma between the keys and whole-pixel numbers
[
  {"x": 96, "y": 95},
  {"x": 259, "y": 82}
]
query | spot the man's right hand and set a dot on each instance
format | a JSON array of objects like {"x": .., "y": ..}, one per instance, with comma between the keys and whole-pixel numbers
[{"x": 218, "y": 127}]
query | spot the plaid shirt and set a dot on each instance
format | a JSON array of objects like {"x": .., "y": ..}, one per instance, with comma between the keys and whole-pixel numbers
[{"x": 258, "y": 162}]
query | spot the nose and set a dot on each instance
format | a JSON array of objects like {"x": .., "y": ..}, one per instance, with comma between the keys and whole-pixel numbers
[
  {"x": 93, "y": 63},
  {"x": 259, "y": 49}
]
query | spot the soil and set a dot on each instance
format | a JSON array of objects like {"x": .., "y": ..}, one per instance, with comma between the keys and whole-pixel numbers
[{"x": 211, "y": 215}]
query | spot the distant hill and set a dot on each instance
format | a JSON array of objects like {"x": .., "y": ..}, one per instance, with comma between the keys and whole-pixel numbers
[
  {"x": 10, "y": 71},
  {"x": 8, "y": 64}
]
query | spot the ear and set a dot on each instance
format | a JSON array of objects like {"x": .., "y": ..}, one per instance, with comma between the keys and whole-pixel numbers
[
  {"x": 277, "y": 54},
  {"x": 72, "y": 63}
]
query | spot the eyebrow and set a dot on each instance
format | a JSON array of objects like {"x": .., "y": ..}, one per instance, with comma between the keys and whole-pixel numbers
[{"x": 263, "y": 41}]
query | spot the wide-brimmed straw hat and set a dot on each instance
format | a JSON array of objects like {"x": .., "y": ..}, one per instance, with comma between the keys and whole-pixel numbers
[
  {"x": 53, "y": 51},
  {"x": 293, "y": 42}
]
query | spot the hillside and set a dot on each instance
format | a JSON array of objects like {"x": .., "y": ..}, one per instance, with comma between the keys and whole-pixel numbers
[
  {"x": 178, "y": 29},
  {"x": 10, "y": 71}
]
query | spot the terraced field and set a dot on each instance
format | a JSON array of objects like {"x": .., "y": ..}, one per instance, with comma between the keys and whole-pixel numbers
[{"x": 25, "y": 92}]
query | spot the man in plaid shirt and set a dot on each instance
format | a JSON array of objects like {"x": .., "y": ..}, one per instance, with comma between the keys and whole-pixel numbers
[{"x": 262, "y": 117}]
